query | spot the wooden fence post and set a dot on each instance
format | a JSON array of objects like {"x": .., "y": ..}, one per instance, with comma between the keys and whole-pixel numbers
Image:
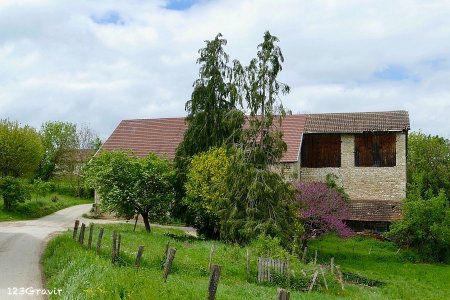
[
  {"x": 248, "y": 264},
  {"x": 168, "y": 263},
  {"x": 114, "y": 247},
  {"x": 119, "y": 240},
  {"x": 99, "y": 240},
  {"x": 283, "y": 294},
  {"x": 211, "y": 255},
  {"x": 341, "y": 280},
  {"x": 91, "y": 232},
  {"x": 313, "y": 282},
  {"x": 288, "y": 271},
  {"x": 81, "y": 237},
  {"x": 214, "y": 281},
  {"x": 137, "y": 263},
  {"x": 167, "y": 249},
  {"x": 304, "y": 254},
  {"x": 75, "y": 228},
  {"x": 332, "y": 265},
  {"x": 323, "y": 277}
]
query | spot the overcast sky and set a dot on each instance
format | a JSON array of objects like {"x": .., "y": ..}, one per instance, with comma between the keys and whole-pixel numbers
[{"x": 98, "y": 62}]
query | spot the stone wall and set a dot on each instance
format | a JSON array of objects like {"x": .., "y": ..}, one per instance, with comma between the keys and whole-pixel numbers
[{"x": 365, "y": 183}]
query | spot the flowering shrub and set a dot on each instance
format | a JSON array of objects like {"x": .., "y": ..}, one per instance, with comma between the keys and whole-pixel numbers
[{"x": 322, "y": 210}]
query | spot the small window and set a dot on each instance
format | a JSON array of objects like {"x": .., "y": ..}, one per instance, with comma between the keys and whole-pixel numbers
[
  {"x": 321, "y": 150},
  {"x": 375, "y": 150}
]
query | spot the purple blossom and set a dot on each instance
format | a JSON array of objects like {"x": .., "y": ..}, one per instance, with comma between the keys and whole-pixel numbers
[{"x": 322, "y": 210}]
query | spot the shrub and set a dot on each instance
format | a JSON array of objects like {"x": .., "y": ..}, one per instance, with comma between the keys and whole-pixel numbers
[
  {"x": 205, "y": 189},
  {"x": 41, "y": 188},
  {"x": 13, "y": 192},
  {"x": 425, "y": 226},
  {"x": 267, "y": 246},
  {"x": 322, "y": 210}
]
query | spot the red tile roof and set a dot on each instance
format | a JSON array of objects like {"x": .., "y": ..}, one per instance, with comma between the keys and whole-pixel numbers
[
  {"x": 162, "y": 136},
  {"x": 357, "y": 122},
  {"x": 144, "y": 136},
  {"x": 375, "y": 210}
]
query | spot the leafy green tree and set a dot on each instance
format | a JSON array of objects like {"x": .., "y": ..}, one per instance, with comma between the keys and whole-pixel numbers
[
  {"x": 205, "y": 189},
  {"x": 261, "y": 89},
  {"x": 428, "y": 165},
  {"x": 258, "y": 201},
  {"x": 59, "y": 140},
  {"x": 212, "y": 115},
  {"x": 213, "y": 118},
  {"x": 13, "y": 192},
  {"x": 129, "y": 185},
  {"x": 20, "y": 149},
  {"x": 425, "y": 226}
]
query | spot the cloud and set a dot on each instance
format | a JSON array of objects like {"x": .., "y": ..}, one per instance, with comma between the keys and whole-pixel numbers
[{"x": 99, "y": 62}]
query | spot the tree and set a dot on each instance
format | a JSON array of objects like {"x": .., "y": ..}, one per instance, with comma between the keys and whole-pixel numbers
[
  {"x": 97, "y": 144},
  {"x": 86, "y": 145},
  {"x": 258, "y": 201},
  {"x": 205, "y": 189},
  {"x": 13, "y": 192},
  {"x": 322, "y": 210},
  {"x": 426, "y": 226},
  {"x": 263, "y": 140},
  {"x": 59, "y": 140},
  {"x": 213, "y": 118},
  {"x": 20, "y": 149},
  {"x": 129, "y": 185},
  {"x": 428, "y": 165}
]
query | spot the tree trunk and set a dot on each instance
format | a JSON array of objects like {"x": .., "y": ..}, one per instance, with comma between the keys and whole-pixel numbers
[{"x": 146, "y": 222}]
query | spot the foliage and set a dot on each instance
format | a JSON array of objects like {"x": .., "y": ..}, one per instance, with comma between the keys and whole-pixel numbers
[
  {"x": 97, "y": 144},
  {"x": 426, "y": 226},
  {"x": 267, "y": 246},
  {"x": 59, "y": 140},
  {"x": 428, "y": 165},
  {"x": 205, "y": 189},
  {"x": 41, "y": 188},
  {"x": 331, "y": 183},
  {"x": 13, "y": 192},
  {"x": 213, "y": 119},
  {"x": 43, "y": 206},
  {"x": 129, "y": 185},
  {"x": 20, "y": 149},
  {"x": 212, "y": 116},
  {"x": 262, "y": 140},
  {"x": 322, "y": 210},
  {"x": 257, "y": 201}
]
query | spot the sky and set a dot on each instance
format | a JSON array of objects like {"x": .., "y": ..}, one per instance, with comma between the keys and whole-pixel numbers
[{"x": 98, "y": 62}]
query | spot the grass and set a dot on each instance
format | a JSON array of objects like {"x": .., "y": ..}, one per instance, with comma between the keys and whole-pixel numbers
[
  {"x": 37, "y": 208},
  {"x": 82, "y": 274},
  {"x": 380, "y": 260}
]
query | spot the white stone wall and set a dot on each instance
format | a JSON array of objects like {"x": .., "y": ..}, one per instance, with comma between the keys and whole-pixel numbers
[{"x": 366, "y": 183}]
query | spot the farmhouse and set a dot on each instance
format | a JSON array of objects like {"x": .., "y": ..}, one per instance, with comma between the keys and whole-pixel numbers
[{"x": 366, "y": 153}]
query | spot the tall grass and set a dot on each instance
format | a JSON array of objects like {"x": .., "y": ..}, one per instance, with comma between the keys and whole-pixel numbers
[{"x": 82, "y": 274}]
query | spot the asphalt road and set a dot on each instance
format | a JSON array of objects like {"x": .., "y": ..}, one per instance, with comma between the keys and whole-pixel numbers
[{"x": 21, "y": 246}]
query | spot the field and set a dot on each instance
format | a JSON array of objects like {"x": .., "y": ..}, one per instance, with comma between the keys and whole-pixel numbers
[
  {"x": 82, "y": 274},
  {"x": 37, "y": 208}
]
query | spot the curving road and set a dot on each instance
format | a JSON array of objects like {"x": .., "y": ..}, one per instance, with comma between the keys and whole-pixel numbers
[{"x": 22, "y": 244}]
